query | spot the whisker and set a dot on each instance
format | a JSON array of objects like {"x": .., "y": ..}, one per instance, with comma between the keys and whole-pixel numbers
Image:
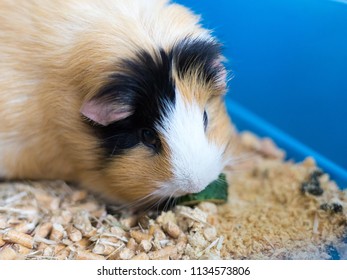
[
  {"x": 168, "y": 202},
  {"x": 134, "y": 204},
  {"x": 174, "y": 202},
  {"x": 243, "y": 157},
  {"x": 236, "y": 164}
]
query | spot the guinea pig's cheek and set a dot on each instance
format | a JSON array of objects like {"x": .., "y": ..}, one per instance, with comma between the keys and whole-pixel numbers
[
  {"x": 221, "y": 130},
  {"x": 138, "y": 174}
]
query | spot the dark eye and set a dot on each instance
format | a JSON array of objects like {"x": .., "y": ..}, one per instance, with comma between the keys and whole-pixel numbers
[
  {"x": 205, "y": 119},
  {"x": 149, "y": 138}
]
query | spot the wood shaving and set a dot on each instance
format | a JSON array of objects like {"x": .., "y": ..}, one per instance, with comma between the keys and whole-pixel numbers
[{"x": 276, "y": 210}]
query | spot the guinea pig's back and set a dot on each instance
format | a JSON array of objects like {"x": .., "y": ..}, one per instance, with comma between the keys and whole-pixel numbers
[{"x": 36, "y": 100}]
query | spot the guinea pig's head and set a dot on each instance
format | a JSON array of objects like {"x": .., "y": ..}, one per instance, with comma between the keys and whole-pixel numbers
[{"x": 161, "y": 121}]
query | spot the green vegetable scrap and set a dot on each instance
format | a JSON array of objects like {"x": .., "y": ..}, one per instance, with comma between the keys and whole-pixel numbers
[{"x": 216, "y": 192}]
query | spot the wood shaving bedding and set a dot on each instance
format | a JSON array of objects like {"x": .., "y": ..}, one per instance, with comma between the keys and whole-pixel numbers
[{"x": 276, "y": 210}]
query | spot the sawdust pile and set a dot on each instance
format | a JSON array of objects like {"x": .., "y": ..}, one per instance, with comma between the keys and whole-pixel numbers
[{"x": 276, "y": 210}]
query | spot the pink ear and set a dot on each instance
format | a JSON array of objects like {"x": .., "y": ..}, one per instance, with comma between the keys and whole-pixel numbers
[{"x": 104, "y": 112}]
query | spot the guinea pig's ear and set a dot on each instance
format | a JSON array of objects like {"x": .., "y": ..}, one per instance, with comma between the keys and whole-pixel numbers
[{"x": 104, "y": 112}]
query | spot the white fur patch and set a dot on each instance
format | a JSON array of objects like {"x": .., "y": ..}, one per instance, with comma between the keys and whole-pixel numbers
[
  {"x": 195, "y": 161},
  {"x": 3, "y": 148},
  {"x": 9, "y": 148},
  {"x": 20, "y": 99},
  {"x": 2, "y": 172}
]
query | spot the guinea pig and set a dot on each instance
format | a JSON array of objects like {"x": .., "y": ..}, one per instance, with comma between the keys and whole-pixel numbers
[{"x": 124, "y": 97}]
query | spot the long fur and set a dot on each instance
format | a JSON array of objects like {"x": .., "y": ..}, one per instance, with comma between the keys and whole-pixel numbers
[{"x": 56, "y": 55}]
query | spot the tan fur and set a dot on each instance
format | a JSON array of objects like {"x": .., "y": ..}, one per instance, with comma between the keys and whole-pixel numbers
[{"x": 56, "y": 54}]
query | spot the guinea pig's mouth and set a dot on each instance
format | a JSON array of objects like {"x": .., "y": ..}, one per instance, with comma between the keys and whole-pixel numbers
[
  {"x": 180, "y": 193},
  {"x": 174, "y": 190},
  {"x": 164, "y": 197}
]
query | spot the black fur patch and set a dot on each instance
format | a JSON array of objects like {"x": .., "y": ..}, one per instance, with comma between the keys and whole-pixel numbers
[
  {"x": 190, "y": 55},
  {"x": 146, "y": 84}
]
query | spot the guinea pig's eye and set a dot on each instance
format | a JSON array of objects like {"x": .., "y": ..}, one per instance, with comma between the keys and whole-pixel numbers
[
  {"x": 205, "y": 119},
  {"x": 149, "y": 138}
]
